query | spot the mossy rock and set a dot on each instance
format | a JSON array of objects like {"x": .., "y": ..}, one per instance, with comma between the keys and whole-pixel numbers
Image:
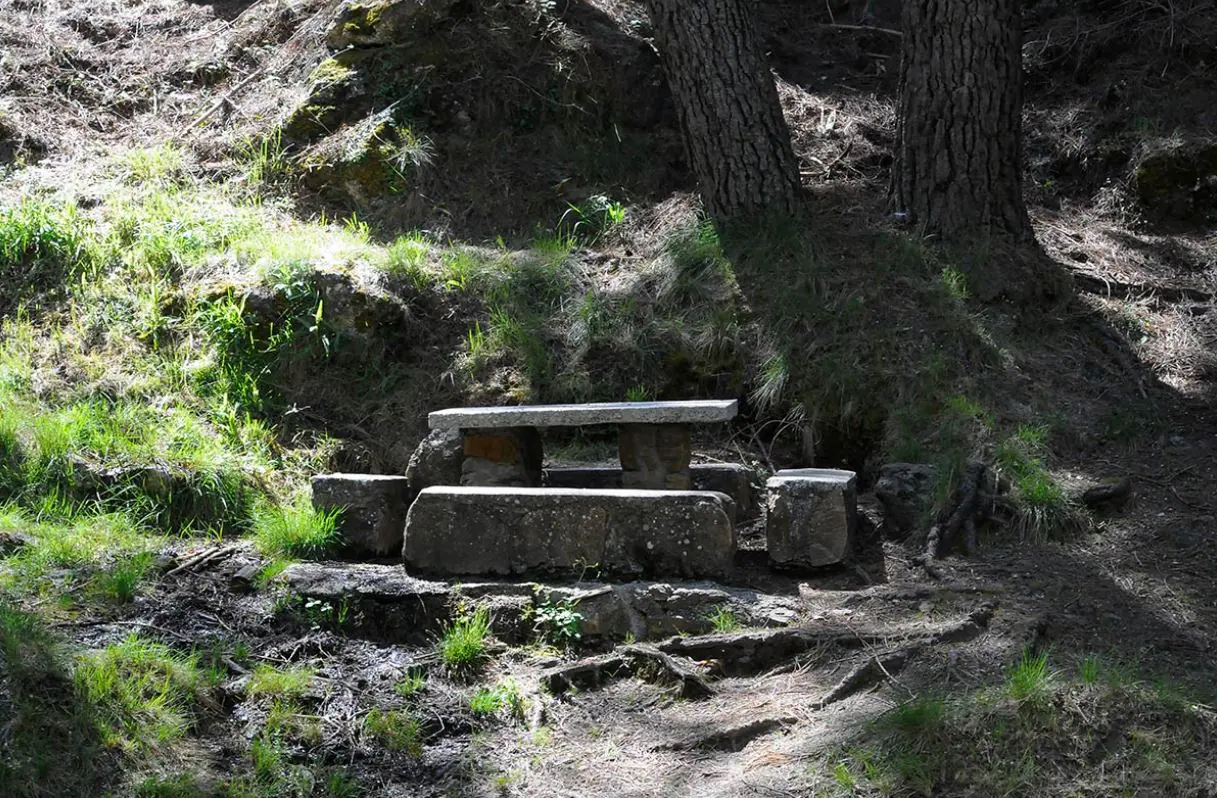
[
  {"x": 1179, "y": 188},
  {"x": 369, "y": 23},
  {"x": 367, "y": 161}
]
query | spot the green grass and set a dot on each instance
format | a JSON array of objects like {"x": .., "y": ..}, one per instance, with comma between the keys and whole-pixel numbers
[
  {"x": 1119, "y": 735},
  {"x": 505, "y": 696},
  {"x": 396, "y": 730},
  {"x": 411, "y": 684},
  {"x": 145, "y": 694},
  {"x": 280, "y": 683},
  {"x": 723, "y": 620},
  {"x": 43, "y": 247},
  {"x": 463, "y": 645},
  {"x": 296, "y": 530},
  {"x": 1045, "y": 511}
]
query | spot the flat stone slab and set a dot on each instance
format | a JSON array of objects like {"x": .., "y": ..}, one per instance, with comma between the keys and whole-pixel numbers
[
  {"x": 811, "y": 517},
  {"x": 469, "y": 531},
  {"x": 696, "y": 412},
  {"x": 386, "y": 603}
]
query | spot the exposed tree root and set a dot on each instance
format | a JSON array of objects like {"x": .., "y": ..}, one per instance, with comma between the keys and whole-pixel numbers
[
  {"x": 751, "y": 652},
  {"x": 645, "y": 662},
  {"x": 870, "y": 672},
  {"x": 735, "y": 738}
]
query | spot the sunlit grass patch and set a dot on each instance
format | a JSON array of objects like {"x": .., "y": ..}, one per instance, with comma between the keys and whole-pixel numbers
[
  {"x": 296, "y": 530},
  {"x": 145, "y": 694}
]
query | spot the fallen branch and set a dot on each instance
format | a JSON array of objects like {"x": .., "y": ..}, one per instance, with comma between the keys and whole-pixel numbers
[{"x": 203, "y": 558}]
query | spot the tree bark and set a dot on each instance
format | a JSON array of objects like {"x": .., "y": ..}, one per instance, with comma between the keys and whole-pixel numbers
[
  {"x": 737, "y": 140},
  {"x": 959, "y": 155}
]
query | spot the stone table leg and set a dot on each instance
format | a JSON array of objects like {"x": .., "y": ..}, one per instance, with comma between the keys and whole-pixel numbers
[
  {"x": 655, "y": 456},
  {"x": 508, "y": 457}
]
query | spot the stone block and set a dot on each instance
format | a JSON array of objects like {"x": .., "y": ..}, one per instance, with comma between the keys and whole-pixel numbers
[
  {"x": 811, "y": 517},
  {"x": 514, "y": 531},
  {"x": 502, "y": 458},
  {"x": 655, "y": 456},
  {"x": 906, "y": 491},
  {"x": 373, "y": 510}
]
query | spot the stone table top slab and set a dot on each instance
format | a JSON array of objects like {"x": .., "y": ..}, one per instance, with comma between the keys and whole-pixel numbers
[{"x": 694, "y": 412}]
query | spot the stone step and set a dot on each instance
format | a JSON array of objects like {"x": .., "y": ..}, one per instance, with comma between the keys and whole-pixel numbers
[{"x": 470, "y": 531}]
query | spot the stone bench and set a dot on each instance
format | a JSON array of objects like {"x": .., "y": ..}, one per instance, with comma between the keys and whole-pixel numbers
[
  {"x": 478, "y": 531},
  {"x": 502, "y": 445}
]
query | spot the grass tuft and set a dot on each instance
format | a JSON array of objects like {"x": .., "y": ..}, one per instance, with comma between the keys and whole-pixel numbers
[
  {"x": 463, "y": 646},
  {"x": 296, "y": 530},
  {"x": 396, "y": 729}
]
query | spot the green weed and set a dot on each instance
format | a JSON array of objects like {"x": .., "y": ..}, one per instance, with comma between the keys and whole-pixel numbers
[
  {"x": 463, "y": 646},
  {"x": 1028, "y": 678},
  {"x": 281, "y": 683},
  {"x": 412, "y": 683},
  {"x": 145, "y": 694},
  {"x": 397, "y": 730},
  {"x": 296, "y": 530},
  {"x": 723, "y": 620},
  {"x": 558, "y": 622},
  {"x": 406, "y": 259},
  {"x": 503, "y": 696}
]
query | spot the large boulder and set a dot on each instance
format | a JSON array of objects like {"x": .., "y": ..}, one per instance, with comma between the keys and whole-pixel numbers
[
  {"x": 373, "y": 510},
  {"x": 370, "y": 23},
  {"x": 436, "y": 461},
  {"x": 812, "y": 517},
  {"x": 906, "y": 491},
  {"x": 458, "y": 531},
  {"x": 1178, "y": 189}
]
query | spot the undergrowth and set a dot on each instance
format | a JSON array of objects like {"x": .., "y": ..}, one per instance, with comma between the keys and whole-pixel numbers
[{"x": 1043, "y": 731}]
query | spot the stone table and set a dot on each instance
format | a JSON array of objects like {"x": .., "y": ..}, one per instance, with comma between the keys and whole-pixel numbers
[{"x": 503, "y": 444}]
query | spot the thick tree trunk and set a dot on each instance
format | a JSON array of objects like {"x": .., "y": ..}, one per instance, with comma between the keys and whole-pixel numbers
[
  {"x": 737, "y": 140},
  {"x": 959, "y": 157}
]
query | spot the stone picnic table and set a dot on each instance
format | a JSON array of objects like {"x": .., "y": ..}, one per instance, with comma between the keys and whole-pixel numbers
[{"x": 502, "y": 445}]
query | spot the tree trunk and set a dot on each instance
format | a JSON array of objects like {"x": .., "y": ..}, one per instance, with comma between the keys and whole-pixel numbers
[
  {"x": 959, "y": 156},
  {"x": 737, "y": 140}
]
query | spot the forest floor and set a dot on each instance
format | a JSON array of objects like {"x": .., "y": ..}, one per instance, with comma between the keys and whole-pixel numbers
[{"x": 151, "y": 640}]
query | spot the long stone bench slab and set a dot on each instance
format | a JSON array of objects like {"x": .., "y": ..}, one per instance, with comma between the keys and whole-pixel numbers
[
  {"x": 540, "y": 416},
  {"x": 503, "y": 447},
  {"x": 472, "y": 531}
]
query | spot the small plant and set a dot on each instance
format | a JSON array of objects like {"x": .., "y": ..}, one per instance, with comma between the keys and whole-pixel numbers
[
  {"x": 463, "y": 647},
  {"x": 397, "y": 730},
  {"x": 505, "y": 695},
  {"x": 266, "y": 159},
  {"x": 844, "y": 777},
  {"x": 120, "y": 583},
  {"x": 639, "y": 393},
  {"x": 559, "y": 623},
  {"x": 1028, "y": 678},
  {"x": 406, "y": 258},
  {"x": 1090, "y": 670},
  {"x": 412, "y": 683},
  {"x": 723, "y": 620},
  {"x": 286, "y": 683},
  {"x": 591, "y": 220},
  {"x": 296, "y": 530},
  {"x": 144, "y": 691}
]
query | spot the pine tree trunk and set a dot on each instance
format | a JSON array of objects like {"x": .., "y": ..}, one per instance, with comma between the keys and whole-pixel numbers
[
  {"x": 737, "y": 140},
  {"x": 959, "y": 157}
]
